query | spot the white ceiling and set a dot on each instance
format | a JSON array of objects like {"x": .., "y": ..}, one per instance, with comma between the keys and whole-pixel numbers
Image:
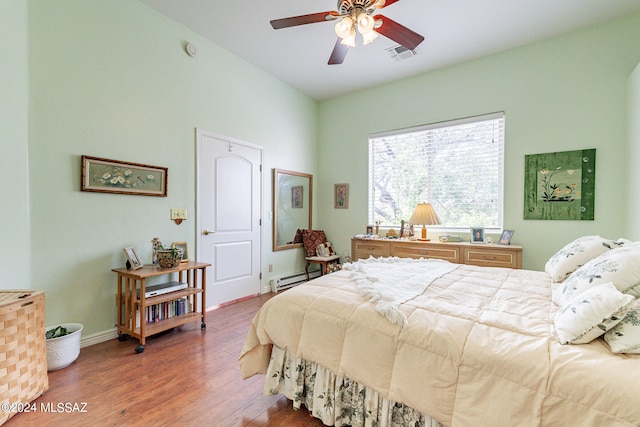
[{"x": 454, "y": 31}]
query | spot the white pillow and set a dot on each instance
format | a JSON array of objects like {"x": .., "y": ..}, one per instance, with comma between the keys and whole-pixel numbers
[
  {"x": 591, "y": 314},
  {"x": 621, "y": 266},
  {"x": 576, "y": 254},
  {"x": 625, "y": 336}
]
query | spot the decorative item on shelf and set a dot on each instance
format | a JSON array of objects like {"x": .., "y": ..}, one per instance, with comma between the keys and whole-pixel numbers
[
  {"x": 369, "y": 229},
  {"x": 424, "y": 215},
  {"x": 155, "y": 245},
  {"x": 169, "y": 258},
  {"x": 133, "y": 260},
  {"x": 391, "y": 234},
  {"x": 185, "y": 250}
]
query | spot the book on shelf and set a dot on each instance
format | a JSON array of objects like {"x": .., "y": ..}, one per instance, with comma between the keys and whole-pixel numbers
[{"x": 167, "y": 310}]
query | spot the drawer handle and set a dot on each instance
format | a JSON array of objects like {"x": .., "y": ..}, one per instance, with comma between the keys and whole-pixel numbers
[
  {"x": 370, "y": 248},
  {"x": 26, "y": 304}
]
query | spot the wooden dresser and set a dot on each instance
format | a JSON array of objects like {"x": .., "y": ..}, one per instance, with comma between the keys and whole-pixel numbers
[{"x": 487, "y": 255}]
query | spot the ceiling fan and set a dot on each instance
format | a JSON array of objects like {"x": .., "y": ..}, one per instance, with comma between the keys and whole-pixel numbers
[{"x": 352, "y": 14}]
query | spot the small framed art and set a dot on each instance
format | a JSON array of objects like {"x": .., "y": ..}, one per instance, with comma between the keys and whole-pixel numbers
[
  {"x": 185, "y": 250},
  {"x": 133, "y": 260},
  {"x": 296, "y": 197},
  {"x": 477, "y": 235},
  {"x": 341, "y": 196},
  {"x": 505, "y": 238}
]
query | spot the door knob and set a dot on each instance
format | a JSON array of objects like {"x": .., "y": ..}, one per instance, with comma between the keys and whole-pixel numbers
[{"x": 207, "y": 232}]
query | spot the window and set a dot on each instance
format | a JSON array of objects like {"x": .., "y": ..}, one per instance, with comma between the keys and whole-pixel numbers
[{"x": 457, "y": 166}]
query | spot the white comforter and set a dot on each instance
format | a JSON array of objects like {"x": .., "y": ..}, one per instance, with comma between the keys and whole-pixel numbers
[{"x": 479, "y": 345}]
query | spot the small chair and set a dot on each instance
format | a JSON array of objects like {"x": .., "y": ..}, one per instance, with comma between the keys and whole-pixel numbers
[{"x": 318, "y": 250}]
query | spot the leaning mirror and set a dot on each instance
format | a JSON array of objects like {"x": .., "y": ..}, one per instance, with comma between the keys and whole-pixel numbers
[{"x": 292, "y": 196}]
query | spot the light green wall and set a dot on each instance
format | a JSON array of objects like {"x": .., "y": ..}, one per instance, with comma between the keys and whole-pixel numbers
[
  {"x": 565, "y": 93},
  {"x": 14, "y": 134},
  {"x": 633, "y": 157},
  {"x": 111, "y": 79}
]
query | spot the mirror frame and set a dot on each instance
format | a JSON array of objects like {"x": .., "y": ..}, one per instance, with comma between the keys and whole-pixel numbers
[{"x": 276, "y": 194}]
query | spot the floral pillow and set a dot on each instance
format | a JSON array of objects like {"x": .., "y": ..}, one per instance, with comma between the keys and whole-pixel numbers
[
  {"x": 620, "y": 266},
  {"x": 576, "y": 254},
  {"x": 591, "y": 314},
  {"x": 625, "y": 336}
]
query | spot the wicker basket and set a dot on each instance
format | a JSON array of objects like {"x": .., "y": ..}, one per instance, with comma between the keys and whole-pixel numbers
[{"x": 23, "y": 351}]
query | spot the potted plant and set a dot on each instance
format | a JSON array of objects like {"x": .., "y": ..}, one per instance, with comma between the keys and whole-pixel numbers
[
  {"x": 63, "y": 345},
  {"x": 169, "y": 257}
]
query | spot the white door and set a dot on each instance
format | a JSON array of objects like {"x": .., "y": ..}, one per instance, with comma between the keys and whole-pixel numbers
[{"x": 228, "y": 217}]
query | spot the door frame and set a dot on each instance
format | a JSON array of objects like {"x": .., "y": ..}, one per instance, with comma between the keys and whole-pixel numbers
[{"x": 202, "y": 132}]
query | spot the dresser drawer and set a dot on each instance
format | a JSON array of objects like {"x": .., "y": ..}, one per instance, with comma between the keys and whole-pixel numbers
[
  {"x": 426, "y": 250},
  {"x": 492, "y": 257},
  {"x": 363, "y": 249}
]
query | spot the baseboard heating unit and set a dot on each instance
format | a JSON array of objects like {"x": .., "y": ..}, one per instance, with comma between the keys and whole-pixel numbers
[{"x": 294, "y": 279}]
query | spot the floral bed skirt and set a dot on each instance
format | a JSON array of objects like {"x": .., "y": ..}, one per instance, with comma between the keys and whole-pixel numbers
[{"x": 334, "y": 399}]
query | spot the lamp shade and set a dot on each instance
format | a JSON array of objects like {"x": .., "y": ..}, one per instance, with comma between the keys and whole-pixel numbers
[{"x": 424, "y": 214}]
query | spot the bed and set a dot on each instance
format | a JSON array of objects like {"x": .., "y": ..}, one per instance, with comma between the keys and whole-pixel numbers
[{"x": 424, "y": 342}]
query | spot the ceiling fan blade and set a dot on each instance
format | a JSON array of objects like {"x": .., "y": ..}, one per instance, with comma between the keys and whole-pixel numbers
[
  {"x": 398, "y": 33},
  {"x": 339, "y": 52},
  {"x": 311, "y": 18},
  {"x": 385, "y": 3}
]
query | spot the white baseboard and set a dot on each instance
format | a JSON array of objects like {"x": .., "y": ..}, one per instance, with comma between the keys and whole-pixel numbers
[{"x": 99, "y": 337}]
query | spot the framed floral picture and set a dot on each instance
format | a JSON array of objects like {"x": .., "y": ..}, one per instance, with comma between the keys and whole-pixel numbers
[
  {"x": 560, "y": 186},
  {"x": 296, "y": 197},
  {"x": 341, "y": 196},
  {"x": 115, "y": 176}
]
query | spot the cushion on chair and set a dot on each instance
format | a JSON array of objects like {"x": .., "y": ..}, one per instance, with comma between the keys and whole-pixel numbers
[
  {"x": 325, "y": 249},
  {"x": 311, "y": 239}
]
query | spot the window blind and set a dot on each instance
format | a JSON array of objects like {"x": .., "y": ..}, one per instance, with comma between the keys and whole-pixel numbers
[{"x": 457, "y": 166}]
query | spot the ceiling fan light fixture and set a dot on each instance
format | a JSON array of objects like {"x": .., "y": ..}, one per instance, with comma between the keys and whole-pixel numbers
[
  {"x": 369, "y": 37},
  {"x": 344, "y": 27},
  {"x": 350, "y": 39},
  {"x": 365, "y": 23}
]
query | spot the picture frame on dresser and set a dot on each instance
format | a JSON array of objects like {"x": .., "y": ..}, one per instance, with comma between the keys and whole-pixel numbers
[
  {"x": 505, "y": 238},
  {"x": 477, "y": 234}
]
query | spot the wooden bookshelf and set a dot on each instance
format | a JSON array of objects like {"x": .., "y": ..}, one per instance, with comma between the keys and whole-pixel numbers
[{"x": 132, "y": 321}]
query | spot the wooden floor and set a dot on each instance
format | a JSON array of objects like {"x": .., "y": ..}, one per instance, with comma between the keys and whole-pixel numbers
[{"x": 186, "y": 377}]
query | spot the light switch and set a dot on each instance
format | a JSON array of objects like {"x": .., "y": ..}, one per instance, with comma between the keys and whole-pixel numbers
[{"x": 179, "y": 213}]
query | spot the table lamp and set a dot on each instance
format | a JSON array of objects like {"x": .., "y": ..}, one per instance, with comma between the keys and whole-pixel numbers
[{"x": 424, "y": 215}]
